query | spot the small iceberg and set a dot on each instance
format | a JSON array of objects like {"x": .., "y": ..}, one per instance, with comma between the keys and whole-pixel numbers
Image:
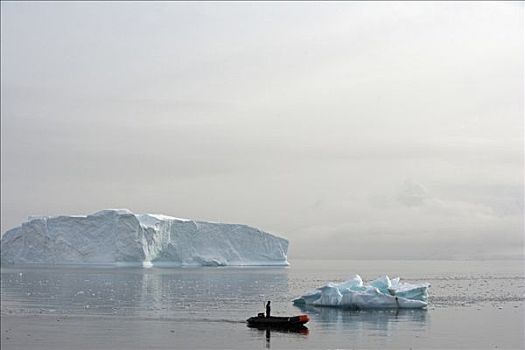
[{"x": 381, "y": 293}]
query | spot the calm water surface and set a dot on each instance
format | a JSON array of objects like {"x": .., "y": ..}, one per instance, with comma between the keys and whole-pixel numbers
[{"x": 473, "y": 304}]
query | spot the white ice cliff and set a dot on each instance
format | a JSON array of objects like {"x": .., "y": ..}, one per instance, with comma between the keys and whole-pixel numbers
[
  {"x": 380, "y": 293},
  {"x": 118, "y": 236}
]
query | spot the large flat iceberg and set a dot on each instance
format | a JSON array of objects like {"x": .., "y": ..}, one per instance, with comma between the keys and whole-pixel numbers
[
  {"x": 118, "y": 236},
  {"x": 382, "y": 293}
]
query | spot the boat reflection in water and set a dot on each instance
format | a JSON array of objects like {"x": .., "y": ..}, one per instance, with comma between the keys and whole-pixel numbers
[{"x": 299, "y": 330}]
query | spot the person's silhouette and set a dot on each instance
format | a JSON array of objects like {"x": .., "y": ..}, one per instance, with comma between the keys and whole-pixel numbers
[{"x": 268, "y": 309}]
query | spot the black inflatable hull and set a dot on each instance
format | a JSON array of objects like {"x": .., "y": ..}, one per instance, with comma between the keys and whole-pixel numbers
[{"x": 278, "y": 322}]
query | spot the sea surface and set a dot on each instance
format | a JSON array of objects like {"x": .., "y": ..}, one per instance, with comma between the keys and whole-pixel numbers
[{"x": 472, "y": 304}]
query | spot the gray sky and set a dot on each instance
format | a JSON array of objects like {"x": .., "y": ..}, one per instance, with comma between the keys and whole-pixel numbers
[{"x": 355, "y": 130}]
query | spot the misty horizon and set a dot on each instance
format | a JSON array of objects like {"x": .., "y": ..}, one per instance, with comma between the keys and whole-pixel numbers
[{"x": 354, "y": 130}]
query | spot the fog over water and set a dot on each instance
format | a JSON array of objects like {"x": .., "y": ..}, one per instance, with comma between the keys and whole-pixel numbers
[{"x": 355, "y": 130}]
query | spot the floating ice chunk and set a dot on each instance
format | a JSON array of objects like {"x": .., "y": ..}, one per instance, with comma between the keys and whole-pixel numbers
[
  {"x": 309, "y": 297},
  {"x": 411, "y": 291},
  {"x": 380, "y": 293},
  {"x": 354, "y": 283},
  {"x": 382, "y": 283},
  {"x": 330, "y": 295}
]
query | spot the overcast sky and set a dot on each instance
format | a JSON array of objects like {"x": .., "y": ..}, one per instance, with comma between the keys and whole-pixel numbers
[{"x": 355, "y": 130}]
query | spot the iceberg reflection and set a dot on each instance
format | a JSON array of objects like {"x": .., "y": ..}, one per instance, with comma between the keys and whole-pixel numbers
[{"x": 382, "y": 322}]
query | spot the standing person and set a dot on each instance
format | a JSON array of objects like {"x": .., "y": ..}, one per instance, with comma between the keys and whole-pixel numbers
[{"x": 268, "y": 309}]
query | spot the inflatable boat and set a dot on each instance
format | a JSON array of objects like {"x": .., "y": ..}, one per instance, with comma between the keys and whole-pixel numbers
[{"x": 277, "y": 322}]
